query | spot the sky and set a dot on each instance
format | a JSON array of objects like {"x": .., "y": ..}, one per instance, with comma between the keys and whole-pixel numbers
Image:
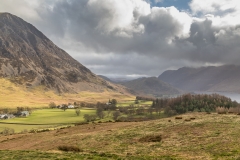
[{"x": 137, "y": 38}]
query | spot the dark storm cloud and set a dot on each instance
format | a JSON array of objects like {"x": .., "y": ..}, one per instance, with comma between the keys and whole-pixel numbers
[
  {"x": 214, "y": 44},
  {"x": 202, "y": 34}
]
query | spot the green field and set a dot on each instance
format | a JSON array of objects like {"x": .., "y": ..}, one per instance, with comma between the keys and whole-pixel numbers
[
  {"x": 132, "y": 102},
  {"x": 45, "y": 118}
]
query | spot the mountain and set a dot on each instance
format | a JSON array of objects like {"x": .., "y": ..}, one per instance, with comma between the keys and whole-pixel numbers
[
  {"x": 105, "y": 78},
  {"x": 215, "y": 79},
  {"x": 151, "y": 86},
  {"x": 29, "y": 58}
]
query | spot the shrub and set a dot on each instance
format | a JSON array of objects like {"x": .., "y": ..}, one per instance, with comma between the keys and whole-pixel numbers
[
  {"x": 151, "y": 138},
  {"x": 77, "y": 111},
  {"x": 221, "y": 110},
  {"x": 8, "y": 131},
  {"x": 52, "y": 105},
  {"x": 43, "y": 130},
  {"x": 169, "y": 112},
  {"x": 80, "y": 123},
  {"x": 24, "y": 131},
  {"x": 33, "y": 131},
  {"x": 89, "y": 118},
  {"x": 178, "y": 117},
  {"x": 69, "y": 148},
  {"x": 116, "y": 114}
]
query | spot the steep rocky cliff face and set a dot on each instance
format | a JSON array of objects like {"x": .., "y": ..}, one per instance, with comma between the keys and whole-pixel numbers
[{"x": 29, "y": 58}]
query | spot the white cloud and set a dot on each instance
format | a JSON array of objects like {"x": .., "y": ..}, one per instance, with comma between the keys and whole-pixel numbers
[
  {"x": 223, "y": 13},
  {"x": 213, "y": 6},
  {"x": 118, "y": 16},
  {"x": 129, "y": 37},
  {"x": 158, "y": 1},
  {"x": 23, "y": 8}
]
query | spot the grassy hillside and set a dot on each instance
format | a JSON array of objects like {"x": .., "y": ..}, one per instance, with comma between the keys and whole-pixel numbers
[
  {"x": 206, "y": 136},
  {"x": 12, "y": 96}
]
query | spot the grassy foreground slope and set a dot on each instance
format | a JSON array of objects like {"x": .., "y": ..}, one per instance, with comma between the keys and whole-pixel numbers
[
  {"x": 12, "y": 96},
  {"x": 208, "y": 136}
]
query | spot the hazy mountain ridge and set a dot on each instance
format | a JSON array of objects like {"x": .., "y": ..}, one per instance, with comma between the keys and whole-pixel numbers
[
  {"x": 151, "y": 86},
  {"x": 28, "y": 57},
  {"x": 216, "y": 79}
]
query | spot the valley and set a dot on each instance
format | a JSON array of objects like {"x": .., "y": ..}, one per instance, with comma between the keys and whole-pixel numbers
[{"x": 52, "y": 106}]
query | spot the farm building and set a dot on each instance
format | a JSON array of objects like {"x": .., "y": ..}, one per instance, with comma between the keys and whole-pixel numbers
[
  {"x": 71, "y": 106},
  {"x": 6, "y": 116},
  {"x": 3, "y": 116},
  {"x": 24, "y": 114}
]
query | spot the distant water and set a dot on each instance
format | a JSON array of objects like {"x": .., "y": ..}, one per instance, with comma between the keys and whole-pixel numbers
[{"x": 233, "y": 96}]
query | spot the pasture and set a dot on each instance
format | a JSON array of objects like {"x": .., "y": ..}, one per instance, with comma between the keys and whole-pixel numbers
[
  {"x": 45, "y": 118},
  {"x": 125, "y": 103},
  {"x": 194, "y": 136}
]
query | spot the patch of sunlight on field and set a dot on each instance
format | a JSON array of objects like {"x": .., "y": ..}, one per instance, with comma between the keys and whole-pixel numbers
[
  {"x": 12, "y": 96},
  {"x": 126, "y": 103},
  {"x": 52, "y": 116},
  {"x": 47, "y": 118}
]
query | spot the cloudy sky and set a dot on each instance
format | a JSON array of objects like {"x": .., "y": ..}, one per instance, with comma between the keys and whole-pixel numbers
[{"x": 135, "y": 38}]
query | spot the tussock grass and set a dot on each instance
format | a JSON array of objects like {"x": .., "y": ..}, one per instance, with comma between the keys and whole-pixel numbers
[
  {"x": 69, "y": 148},
  {"x": 12, "y": 96},
  {"x": 209, "y": 136},
  {"x": 151, "y": 138}
]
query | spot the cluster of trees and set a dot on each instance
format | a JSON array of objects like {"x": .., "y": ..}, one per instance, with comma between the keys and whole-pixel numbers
[
  {"x": 76, "y": 105},
  {"x": 193, "y": 102},
  {"x": 145, "y": 98},
  {"x": 101, "y": 109},
  {"x": 14, "y": 111},
  {"x": 170, "y": 106},
  {"x": 89, "y": 118}
]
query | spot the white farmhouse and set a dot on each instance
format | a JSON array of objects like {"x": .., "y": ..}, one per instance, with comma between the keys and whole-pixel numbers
[{"x": 71, "y": 107}]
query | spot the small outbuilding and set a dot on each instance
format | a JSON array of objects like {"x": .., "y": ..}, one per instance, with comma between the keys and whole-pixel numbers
[
  {"x": 24, "y": 114},
  {"x": 71, "y": 107},
  {"x": 3, "y": 116}
]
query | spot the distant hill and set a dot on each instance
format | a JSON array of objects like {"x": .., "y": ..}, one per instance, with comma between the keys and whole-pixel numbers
[
  {"x": 216, "y": 79},
  {"x": 30, "y": 59},
  {"x": 151, "y": 86},
  {"x": 105, "y": 78},
  {"x": 116, "y": 80}
]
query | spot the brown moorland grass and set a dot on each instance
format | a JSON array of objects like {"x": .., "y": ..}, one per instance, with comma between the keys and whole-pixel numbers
[
  {"x": 209, "y": 136},
  {"x": 12, "y": 96}
]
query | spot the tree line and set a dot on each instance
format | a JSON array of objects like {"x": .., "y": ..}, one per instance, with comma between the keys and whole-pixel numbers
[{"x": 193, "y": 102}]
